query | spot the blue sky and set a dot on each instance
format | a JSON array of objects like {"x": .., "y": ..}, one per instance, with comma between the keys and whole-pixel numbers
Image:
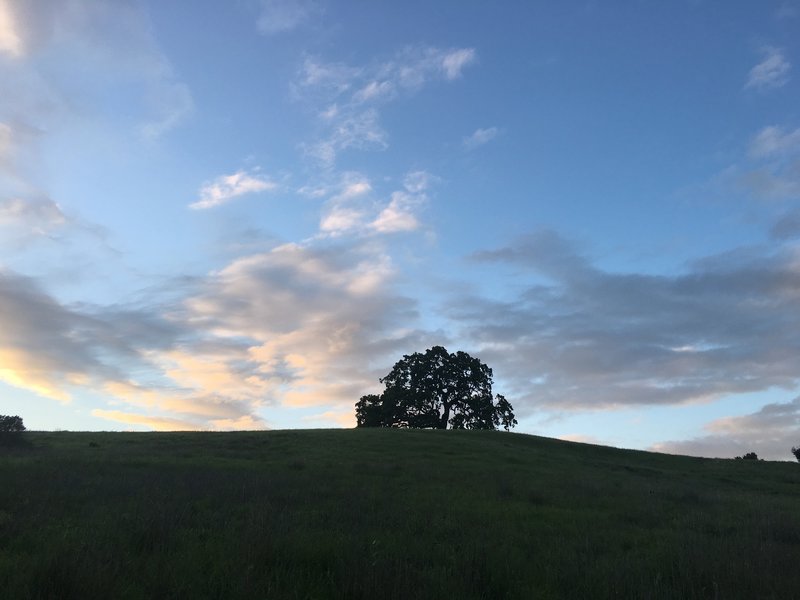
[{"x": 239, "y": 215}]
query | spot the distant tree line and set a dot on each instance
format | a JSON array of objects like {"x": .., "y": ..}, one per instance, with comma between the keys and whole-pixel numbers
[
  {"x": 748, "y": 456},
  {"x": 754, "y": 456}
]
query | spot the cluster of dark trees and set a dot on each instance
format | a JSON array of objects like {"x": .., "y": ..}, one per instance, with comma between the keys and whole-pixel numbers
[
  {"x": 436, "y": 390},
  {"x": 748, "y": 456},
  {"x": 754, "y": 456},
  {"x": 10, "y": 424}
]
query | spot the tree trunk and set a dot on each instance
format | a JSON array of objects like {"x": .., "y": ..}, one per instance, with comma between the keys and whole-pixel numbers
[{"x": 445, "y": 417}]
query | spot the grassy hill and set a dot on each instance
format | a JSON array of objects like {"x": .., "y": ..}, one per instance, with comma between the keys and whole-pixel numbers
[{"x": 387, "y": 514}]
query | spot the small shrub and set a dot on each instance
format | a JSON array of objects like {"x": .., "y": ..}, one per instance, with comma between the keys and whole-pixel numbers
[{"x": 748, "y": 456}]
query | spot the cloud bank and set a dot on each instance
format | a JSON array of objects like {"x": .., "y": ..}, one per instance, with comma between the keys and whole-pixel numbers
[
  {"x": 579, "y": 337},
  {"x": 771, "y": 431}
]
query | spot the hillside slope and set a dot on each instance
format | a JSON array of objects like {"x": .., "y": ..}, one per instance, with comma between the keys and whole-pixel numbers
[{"x": 387, "y": 514}]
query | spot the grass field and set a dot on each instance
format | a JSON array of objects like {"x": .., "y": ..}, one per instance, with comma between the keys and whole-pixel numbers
[{"x": 387, "y": 514}]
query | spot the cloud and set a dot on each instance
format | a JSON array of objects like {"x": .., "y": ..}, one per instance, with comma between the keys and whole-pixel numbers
[
  {"x": 227, "y": 187},
  {"x": 577, "y": 337},
  {"x": 415, "y": 65},
  {"x": 16, "y": 141},
  {"x": 114, "y": 46},
  {"x": 348, "y": 208},
  {"x": 171, "y": 104},
  {"x": 149, "y": 421},
  {"x": 770, "y": 171},
  {"x": 777, "y": 181},
  {"x": 200, "y": 397},
  {"x": 5, "y": 144},
  {"x": 10, "y": 42},
  {"x": 322, "y": 80},
  {"x": 37, "y": 217},
  {"x": 353, "y": 211},
  {"x": 770, "y": 73},
  {"x": 341, "y": 418},
  {"x": 770, "y": 432},
  {"x": 374, "y": 90},
  {"x": 49, "y": 348},
  {"x": 453, "y": 63},
  {"x": 773, "y": 141},
  {"x": 280, "y": 16},
  {"x": 360, "y": 131},
  {"x": 400, "y": 214},
  {"x": 347, "y": 98},
  {"x": 787, "y": 10},
  {"x": 319, "y": 318},
  {"x": 480, "y": 137},
  {"x": 202, "y": 378},
  {"x": 341, "y": 219},
  {"x": 787, "y": 227}
]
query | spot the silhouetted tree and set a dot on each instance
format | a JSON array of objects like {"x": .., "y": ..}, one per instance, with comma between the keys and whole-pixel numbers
[
  {"x": 11, "y": 424},
  {"x": 436, "y": 390},
  {"x": 796, "y": 452},
  {"x": 748, "y": 456}
]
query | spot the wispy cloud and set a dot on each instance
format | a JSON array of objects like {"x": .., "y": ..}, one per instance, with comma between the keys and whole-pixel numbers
[
  {"x": 280, "y": 16},
  {"x": 788, "y": 10},
  {"x": 348, "y": 207},
  {"x": 94, "y": 35},
  {"x": 771, "y": 73},
  {"x": 775, "y": 170},
  {"x": 453, "y": 63},
  {"x": 480, "y": 137},
  {"x": 400, "y": 214},
  {"x": 769, "y": 172},
  {"x": 347, "y": 98},
  {"x": 771, "y": 432},
  {"x": 171, "y": 104},
  {"x": 34, "y": 217},
  {"x": 11, "y": 43},
  {"x": 352, "y": 209},
  {"x": 225, "y": 188},
  {"x": 775, "y": 141}
]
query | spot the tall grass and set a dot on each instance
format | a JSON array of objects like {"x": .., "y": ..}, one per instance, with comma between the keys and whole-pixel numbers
[{"x": 387, "y": 514}]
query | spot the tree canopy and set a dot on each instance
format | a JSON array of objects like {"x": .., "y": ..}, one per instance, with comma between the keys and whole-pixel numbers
[
  {"x": 748, "y": 456},
  {"x": 9, "y": 424},
  {"x": 436, "y": 390}
]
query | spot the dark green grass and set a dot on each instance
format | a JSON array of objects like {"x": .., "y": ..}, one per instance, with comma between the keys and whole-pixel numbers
[{"x": 387, "y": 514}]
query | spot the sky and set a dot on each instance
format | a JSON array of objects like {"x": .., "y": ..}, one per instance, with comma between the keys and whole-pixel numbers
[{"x": 240, "y": 215}]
